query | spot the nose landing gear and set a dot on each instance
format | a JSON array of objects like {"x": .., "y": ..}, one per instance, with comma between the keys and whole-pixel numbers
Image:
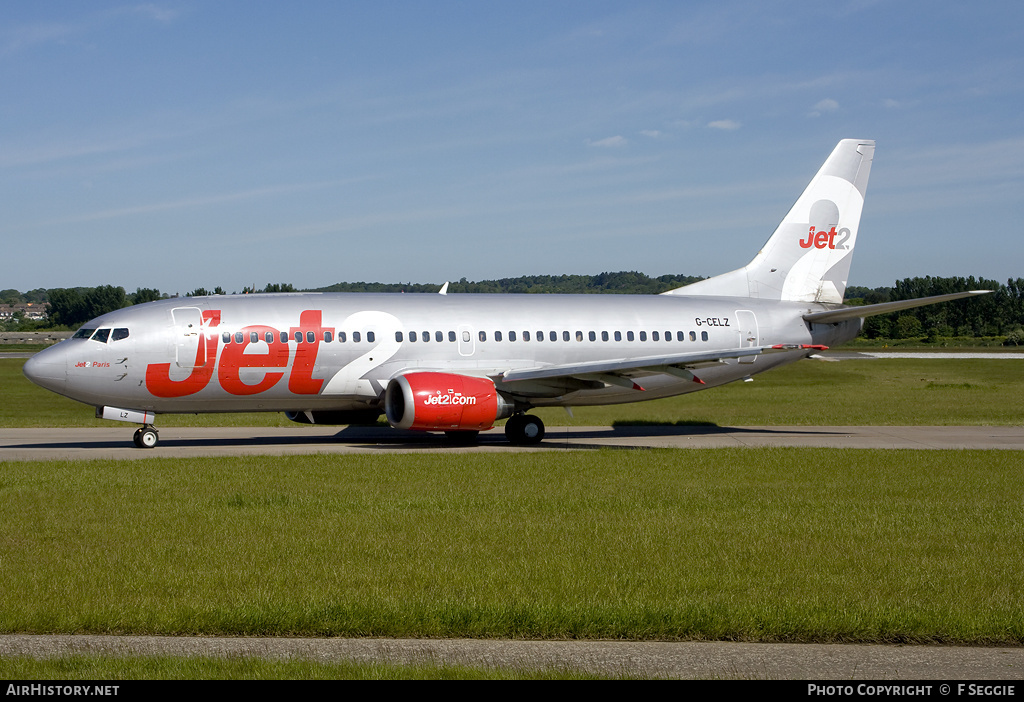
[{"x": 146, "y": 437}]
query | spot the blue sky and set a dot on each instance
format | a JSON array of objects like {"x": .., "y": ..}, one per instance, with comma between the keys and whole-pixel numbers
[{"x": 185, "y": 144}]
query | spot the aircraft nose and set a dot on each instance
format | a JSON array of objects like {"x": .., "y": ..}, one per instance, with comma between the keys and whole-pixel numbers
[{"x": 48, "y": 369}]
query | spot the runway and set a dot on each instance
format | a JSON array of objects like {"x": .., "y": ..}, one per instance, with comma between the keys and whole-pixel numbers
[
  {"x": 183, "y": 442},
  {"x": 688, "y": 659}
]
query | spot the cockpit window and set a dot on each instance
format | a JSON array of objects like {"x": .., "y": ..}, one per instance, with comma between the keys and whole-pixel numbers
[
  {"x": 101, "y": 335},
  {"x": 83, "y": 333},
  {"x": 119, "y": 334}
]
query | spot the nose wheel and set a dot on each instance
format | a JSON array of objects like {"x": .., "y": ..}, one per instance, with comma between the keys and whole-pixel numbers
[
  {"x": 524, "y": 429},
  {"x": 146, "y": 437}
]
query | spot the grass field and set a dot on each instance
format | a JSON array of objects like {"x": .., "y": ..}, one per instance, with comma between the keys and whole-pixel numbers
[
  {"x": 874, "y": 392},
  {"x": 758, "y": 545}
]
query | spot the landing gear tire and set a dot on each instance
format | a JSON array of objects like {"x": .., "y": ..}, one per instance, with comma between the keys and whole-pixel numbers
[
  {"x": 524, "y": 429},
  {"x": 146, "y": 437}
]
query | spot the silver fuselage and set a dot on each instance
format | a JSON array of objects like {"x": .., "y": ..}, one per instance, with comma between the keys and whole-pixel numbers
[{"x": 326, "y": 351}]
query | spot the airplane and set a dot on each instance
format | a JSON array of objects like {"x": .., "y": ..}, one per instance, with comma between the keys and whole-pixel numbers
[{"x": 458, "y": 363}]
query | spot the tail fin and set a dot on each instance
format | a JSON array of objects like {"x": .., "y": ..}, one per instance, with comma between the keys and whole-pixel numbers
[{"x": 808, "y": 257}]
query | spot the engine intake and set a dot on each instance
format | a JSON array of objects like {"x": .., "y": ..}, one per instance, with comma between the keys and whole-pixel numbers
[{"x": 443, "y": 402}]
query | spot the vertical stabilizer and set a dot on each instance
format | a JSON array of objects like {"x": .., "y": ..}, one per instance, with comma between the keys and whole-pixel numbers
[{"x": 808, "y": 257}]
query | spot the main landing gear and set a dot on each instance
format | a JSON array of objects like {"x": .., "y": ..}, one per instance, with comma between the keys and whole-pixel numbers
[
  {"x": 146, "y": 437},
  {"x": 524, "y": 429}
]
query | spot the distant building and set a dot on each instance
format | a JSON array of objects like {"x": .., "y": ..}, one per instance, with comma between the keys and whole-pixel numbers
[{"x": 29, "y": 310}]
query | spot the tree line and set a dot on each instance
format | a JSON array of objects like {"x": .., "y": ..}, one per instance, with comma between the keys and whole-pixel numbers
[
  {"x": 995, "y": 315},
  {"x": 1000, "y": 314}
]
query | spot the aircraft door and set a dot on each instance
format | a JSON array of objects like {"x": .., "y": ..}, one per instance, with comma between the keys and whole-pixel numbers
[
  {"x": 467, "y": 344},
  {"x": 189, "y": 346},
  {"x": 746, "y": 326}
]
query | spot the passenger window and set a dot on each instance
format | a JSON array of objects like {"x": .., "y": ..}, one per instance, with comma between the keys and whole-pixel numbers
[
  {"x": 680, "y": 336},
  {"x": 398, "y": 336},
  {"x": 239, "y": 338},
  {"x": 298, "y": 337},
  {"x": 565, "y": 336},
  {"x": 412, "y": 336},
  {"x": 310, "y": 337},
  {"x": 511, "y": 336},
  {"x": 618, "y": 336},
  {"x": 629, "y": 336},
  {"x": 526, "y": 336},
  {"x": 466, "y": 337},
  {"x": 120, "y": 334},
  {"x": 254, "y": 337},
  {"x": 693, "y": 336},
  {"x": 269, "y": 336},
  {"x": 604, "y": 336},
  {"x": 703, "y": 336},
  {"x": 356, "y": 338},
  {"x": 483, "y": 336},
  {"x": 540, "y": 336},
  {"x": 101, "y": 335},
  {"x": 643, "y": 336},
  {"x": 328, "y": 337},
  {"x": 668, "y": 336},
  {"x": 342, "y": 337},
  {"x": 226, "y": 337},
  {"x": 371, "y": 337},
  {"x": 451, "y": 336},
  {"x": 592, "y": 336},
  {"x": 497, "y": 336},
  {"x": 579, "y": 336},
  {"x": 426, "y": 337},
  {"x": 438, "y": 336},
  {"x": 284, "y": 337},
  {"x": 655, "y": 337}
]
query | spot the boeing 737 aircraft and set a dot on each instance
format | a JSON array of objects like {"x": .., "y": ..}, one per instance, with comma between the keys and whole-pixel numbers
[{"x": 458, "y": 363}]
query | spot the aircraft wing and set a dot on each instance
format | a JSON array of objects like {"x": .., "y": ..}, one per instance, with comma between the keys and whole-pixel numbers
[
  {"x": 618, "y": 372},
  {"x": 845, "y": 313}
]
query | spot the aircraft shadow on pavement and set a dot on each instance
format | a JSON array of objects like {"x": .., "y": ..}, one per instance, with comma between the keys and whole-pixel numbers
[{"x": 387, "y": 439}]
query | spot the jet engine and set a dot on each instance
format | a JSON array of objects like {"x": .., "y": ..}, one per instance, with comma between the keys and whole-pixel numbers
[{"x": 443, "y": 402}]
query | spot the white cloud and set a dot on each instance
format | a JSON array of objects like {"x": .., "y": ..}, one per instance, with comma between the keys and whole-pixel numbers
[
  {"x": 727, "y": 124},
  {"x": 823, "y": 106},
  {"x": 609, "y": 143},
  {"x": 652, "y": 133},
  {"x": 153, "y": 11}
]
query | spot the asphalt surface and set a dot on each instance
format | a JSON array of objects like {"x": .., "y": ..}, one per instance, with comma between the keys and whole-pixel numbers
[
  {"x": 746, "y": 661},
  {"x": 21, "y": 444}
]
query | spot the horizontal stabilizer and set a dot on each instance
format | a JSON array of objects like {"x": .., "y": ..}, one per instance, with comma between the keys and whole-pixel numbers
[{"x": 845, "y": 313}]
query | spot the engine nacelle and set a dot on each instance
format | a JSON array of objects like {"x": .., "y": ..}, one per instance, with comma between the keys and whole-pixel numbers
[{"x": 443, "y": 402}]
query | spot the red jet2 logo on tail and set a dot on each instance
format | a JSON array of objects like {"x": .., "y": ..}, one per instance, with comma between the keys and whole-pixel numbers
[{"x": 826, "y": 239}]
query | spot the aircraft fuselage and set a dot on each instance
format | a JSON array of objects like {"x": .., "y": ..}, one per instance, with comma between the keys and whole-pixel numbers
[{"x": 302, "y": 352}]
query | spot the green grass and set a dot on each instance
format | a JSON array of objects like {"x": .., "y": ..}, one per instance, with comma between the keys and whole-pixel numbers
[
  {"x": 755, "y": 545},
  {"x": 873, "y": 392}
]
